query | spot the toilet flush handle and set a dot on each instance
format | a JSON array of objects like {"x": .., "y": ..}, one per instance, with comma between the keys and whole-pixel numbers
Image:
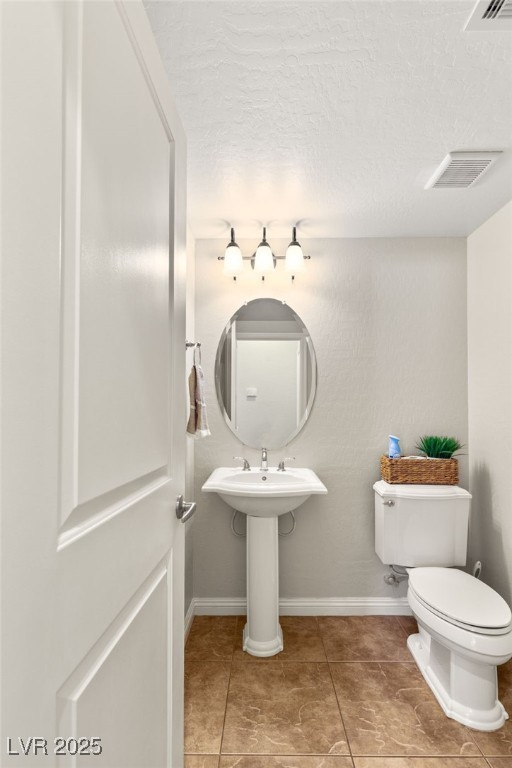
[{"x": 389, "y": 503}]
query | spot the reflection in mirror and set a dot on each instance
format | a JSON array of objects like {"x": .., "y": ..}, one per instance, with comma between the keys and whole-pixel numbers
[{"x": 265, "y": 374}]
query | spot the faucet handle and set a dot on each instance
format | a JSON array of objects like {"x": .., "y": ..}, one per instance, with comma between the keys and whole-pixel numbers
[
  {"x": 281, "y": 467},
  {"x": 247, "y": 466}
]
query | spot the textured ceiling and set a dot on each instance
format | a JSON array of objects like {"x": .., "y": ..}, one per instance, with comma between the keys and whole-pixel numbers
[{"x": 335, "y": 114}]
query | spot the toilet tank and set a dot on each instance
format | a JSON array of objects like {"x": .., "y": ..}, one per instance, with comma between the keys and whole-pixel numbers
[{"x": 418, "y": 525}]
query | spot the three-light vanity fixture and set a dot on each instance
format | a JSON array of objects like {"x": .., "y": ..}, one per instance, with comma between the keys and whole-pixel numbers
[{"x": 263, "y": 260}]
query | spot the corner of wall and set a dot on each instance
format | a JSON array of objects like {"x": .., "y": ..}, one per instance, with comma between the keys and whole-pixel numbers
[{"x": 490, "y": 397}]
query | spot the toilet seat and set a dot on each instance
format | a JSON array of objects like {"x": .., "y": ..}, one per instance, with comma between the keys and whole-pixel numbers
[{"x": 461, "y": 600}]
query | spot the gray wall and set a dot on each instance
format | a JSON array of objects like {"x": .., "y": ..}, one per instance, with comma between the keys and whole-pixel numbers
[
  {"x": 490, "y": 397},
  {"x": 388, "y": 321}
]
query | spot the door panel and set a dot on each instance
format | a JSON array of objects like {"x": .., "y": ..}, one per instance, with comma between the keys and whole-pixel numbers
[
  {"x": 108, "y": 690},
  {"x": 125, "y": 340},
  {"x": 92, "y": 553}
]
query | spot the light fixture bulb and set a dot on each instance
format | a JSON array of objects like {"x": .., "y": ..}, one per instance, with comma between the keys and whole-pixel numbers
[
  {"x": 263, "y": 258},
  {"x": 294, "y": 260},
  {"x": 233, "y": 259}
]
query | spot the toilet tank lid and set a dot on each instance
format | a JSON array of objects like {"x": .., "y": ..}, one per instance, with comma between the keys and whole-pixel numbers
[
  {"x": 460, "y": 596},
  {"x": 411, "y": 491}
]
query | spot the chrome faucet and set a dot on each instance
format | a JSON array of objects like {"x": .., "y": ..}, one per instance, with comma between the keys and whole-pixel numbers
[
  {"x": 281, "y": 467},
  {"x": 247, "y": 466},
  {"x": 264, "y": 464}
]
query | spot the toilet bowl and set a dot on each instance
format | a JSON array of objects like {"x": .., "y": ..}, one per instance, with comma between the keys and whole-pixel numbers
[{"x": 465, "y": 631}]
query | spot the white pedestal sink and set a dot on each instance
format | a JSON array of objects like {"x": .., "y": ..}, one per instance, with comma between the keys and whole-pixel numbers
[{"x": 263, "y": 496}]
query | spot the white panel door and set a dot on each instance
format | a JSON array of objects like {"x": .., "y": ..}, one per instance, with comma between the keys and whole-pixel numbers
[{"x": 93, "y": 391}]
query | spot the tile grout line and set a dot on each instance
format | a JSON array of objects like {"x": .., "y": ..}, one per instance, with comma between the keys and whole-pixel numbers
[
  {"x": 335, "y": 692},
  {"x": 233, "y": 649},
  {"x": 402, "y": 629},
  {"x": 473, "y": 740},
  {"x": 220, "y": 661}
]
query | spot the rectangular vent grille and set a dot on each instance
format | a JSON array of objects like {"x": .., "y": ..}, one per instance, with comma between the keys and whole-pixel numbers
[
  {"x": 460, "y": 170},
  {"x": 490, "y": 16},
  {"x": 498, "y": 9}
]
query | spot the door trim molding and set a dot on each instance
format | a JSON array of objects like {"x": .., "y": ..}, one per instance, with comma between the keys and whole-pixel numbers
[
  {"x": 189, "y": 617},
  {"x": 70, "y": 692},
  {"x": 88, "y": 516},
  {"x": 141, "y": 58}
]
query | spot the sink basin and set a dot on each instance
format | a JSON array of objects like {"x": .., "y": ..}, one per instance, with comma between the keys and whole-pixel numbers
[{"x": 266, "y": 493}]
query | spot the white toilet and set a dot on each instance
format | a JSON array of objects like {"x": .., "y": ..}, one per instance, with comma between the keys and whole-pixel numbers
[{"x": 465, "y": 627}]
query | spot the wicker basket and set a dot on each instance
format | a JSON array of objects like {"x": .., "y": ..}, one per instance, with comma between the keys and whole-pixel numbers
[{"x": 420, "y": 471}]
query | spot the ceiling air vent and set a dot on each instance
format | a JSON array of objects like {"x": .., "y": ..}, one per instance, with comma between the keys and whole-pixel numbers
[
  {"x": 491, "y": 16},
  {"x": 461, "y": 169}
]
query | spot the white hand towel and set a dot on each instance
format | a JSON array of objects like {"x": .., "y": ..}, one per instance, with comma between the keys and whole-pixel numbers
[
  {"x": 197, "y": 420},
  {"x": 202, "y": 429},
  {"x": 191, "y": 426}
]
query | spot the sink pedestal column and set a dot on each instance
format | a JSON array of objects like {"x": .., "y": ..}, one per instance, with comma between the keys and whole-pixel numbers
[{"x": 262, "y": 633}]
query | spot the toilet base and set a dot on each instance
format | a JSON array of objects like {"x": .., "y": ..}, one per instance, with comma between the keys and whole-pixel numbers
[{"x": 465, "y": 689}]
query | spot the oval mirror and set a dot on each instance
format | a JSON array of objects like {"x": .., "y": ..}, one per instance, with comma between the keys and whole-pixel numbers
[{"x": 265, "y": 374}]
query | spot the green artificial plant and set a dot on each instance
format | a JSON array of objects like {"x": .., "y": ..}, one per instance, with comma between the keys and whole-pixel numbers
[{"x": 436, "y": 447}]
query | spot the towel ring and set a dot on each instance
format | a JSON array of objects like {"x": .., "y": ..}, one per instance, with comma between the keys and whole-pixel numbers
[{"x": 197, "y": 350}]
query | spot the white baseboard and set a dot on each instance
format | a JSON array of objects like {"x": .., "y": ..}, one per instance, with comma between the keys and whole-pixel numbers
[
  {"x": 345, "y": 606},
  {"x": 306, "y": 606}
]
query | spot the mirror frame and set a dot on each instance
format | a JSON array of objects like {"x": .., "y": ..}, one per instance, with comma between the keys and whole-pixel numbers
[{"x": 314, "y": 376}]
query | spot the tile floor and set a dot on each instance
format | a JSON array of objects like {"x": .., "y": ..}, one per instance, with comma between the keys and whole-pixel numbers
[{"x": 344, "y": 693}]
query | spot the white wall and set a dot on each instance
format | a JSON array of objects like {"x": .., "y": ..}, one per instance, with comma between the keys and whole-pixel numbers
[
  {"x": 388, "y": 321},
  {"x": 490, "y": 397}
]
